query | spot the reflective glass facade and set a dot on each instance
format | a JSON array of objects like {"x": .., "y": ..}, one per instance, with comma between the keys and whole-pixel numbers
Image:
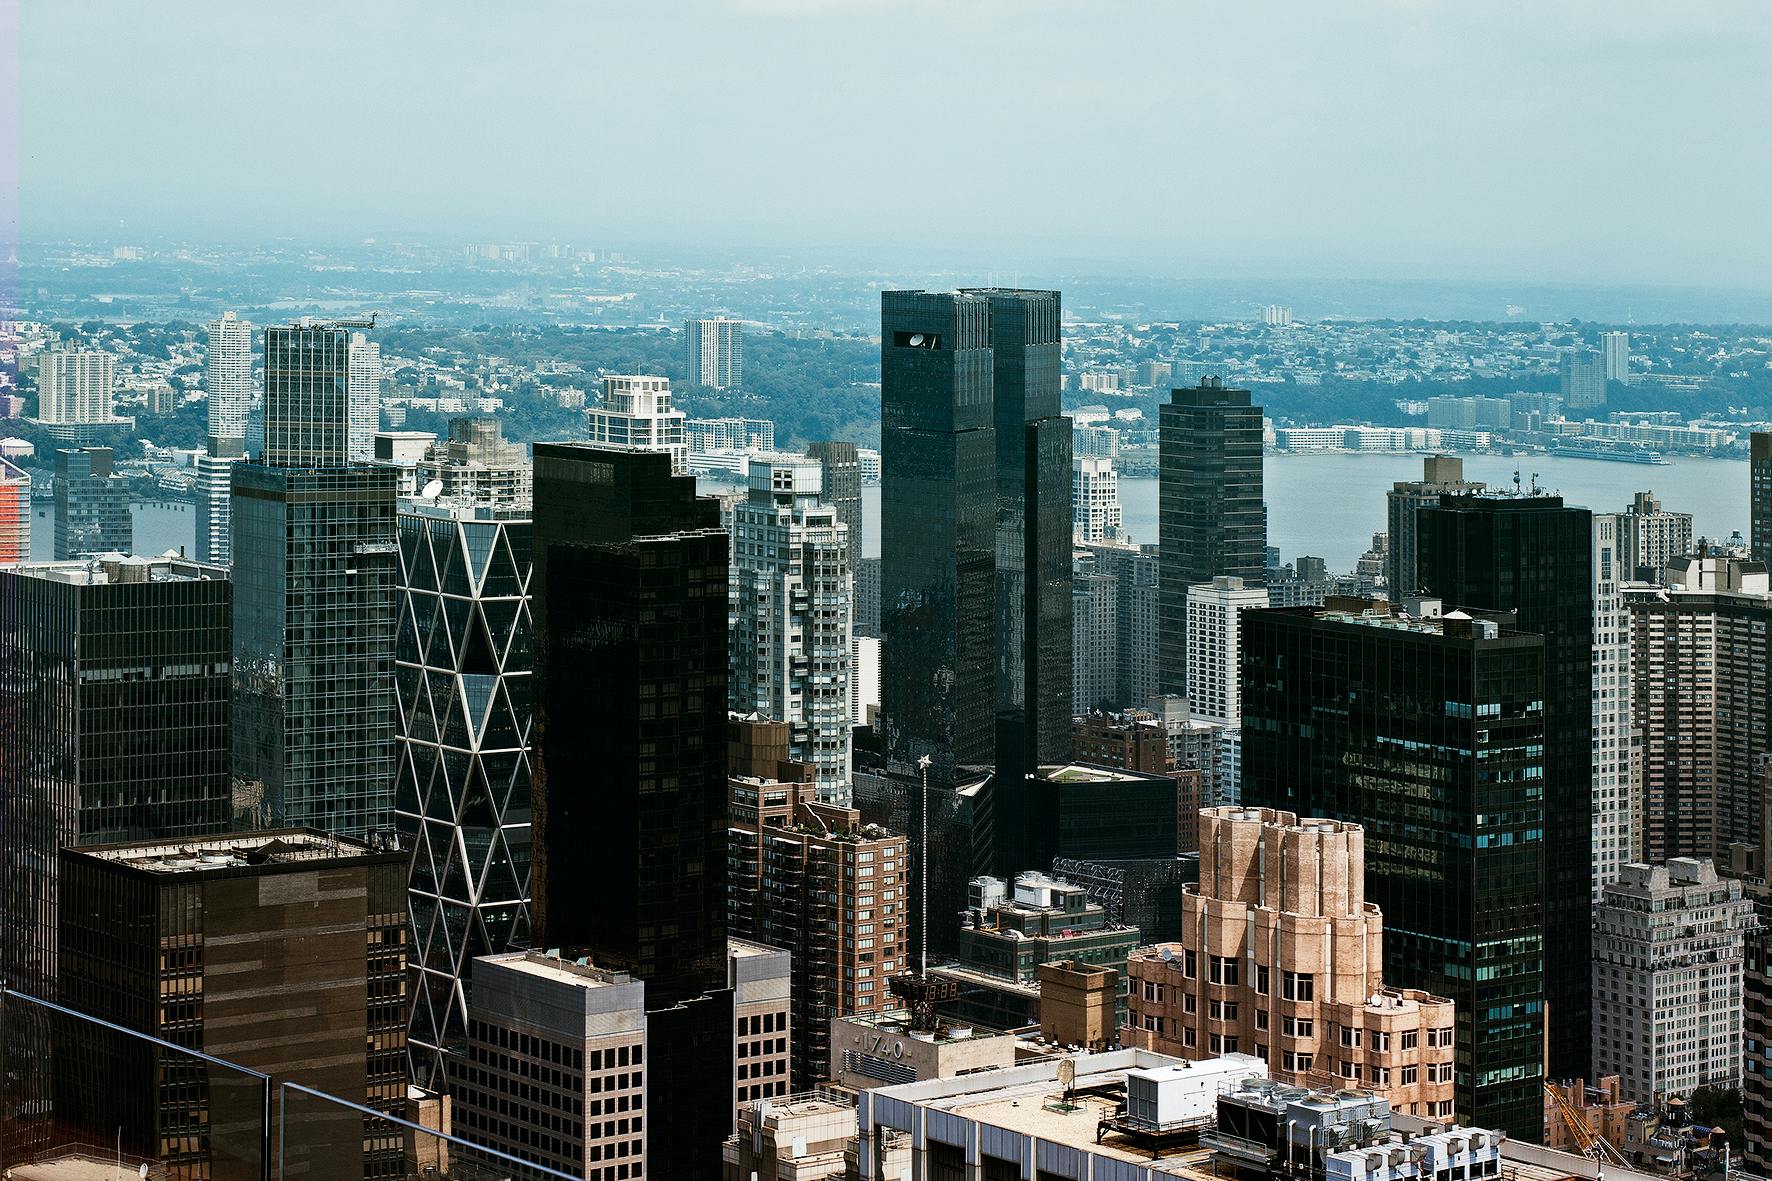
[
  {"x": 314, "y": 638},
  {"x": 91, "y": 505},
  {"x": 462, "y": 675},
  {"x": 114, "y": 712},
  {"x": 307, "y": 395},
  {"x": 1534, "y": 556},
  {"x": 1210, "y": 518},
  {"x": 1434, "y": 744}
]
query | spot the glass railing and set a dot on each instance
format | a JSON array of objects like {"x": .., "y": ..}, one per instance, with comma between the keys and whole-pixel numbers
[{"x": 86, "y": 1099}]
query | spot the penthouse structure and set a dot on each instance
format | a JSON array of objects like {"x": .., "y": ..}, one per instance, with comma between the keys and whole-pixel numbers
[{"x": 636, "y": 415}]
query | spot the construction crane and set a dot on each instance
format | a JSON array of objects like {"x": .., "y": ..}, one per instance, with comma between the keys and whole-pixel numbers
[{"x": 1589, "y": 1142}]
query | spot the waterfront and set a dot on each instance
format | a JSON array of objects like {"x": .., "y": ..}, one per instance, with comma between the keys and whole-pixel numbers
[
  {"x": 160, "y": 525},
  {"x": 1330, "y": 505}
]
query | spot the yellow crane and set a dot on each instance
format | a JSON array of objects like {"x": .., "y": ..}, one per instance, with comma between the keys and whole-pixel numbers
[{"x": 1590, "y": 1143}]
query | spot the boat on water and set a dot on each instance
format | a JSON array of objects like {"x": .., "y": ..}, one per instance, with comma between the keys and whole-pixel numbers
[{"x": 1609, "y": 449}]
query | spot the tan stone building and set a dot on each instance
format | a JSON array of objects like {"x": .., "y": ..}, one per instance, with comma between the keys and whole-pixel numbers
[{"x": 1281, "y": 958}]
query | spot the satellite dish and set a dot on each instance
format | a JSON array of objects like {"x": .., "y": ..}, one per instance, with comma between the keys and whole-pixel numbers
[
  {"x": 916, "y": 340},
  {"x": 432, "y": 490},
  {"x": 1167, "y": 953},
  {"x": 1067, "y": 1074}
]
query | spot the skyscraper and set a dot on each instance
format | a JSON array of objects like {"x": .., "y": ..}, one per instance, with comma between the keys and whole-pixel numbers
[
  {"x": 1701, "y": 666},
  {"x": 1215, "y": 611},
  {"x": 313, "y": 542},
  {"x": 1095, "y": 499},
  {"x": 74, "y": 388},
  {"x": 792, "y": 611},
  {"x": 1440, "y": 474},
  {"x": 715, "y": 352},
  {"x": 15, "y": 514},
  {"x": 1760, "y": 497},
  {"x": 1534, "y": 556},
  {"x": 1615, "y": 348},
  {"x": 114, "y": 712},
  {"x": 227, "y": 381},
  {"x": 462, "y": 796},
  {"x": 91, "y": 505},
  {"x": 1211, "y": 520},
  {"x": 363, "y": 393},
  {"x": 309, "y": 391},
  {"x": 1428, "y": 733},
  {"x": 1649, "y": 537},
  {"x": 476, "y": 465},
  {"x": 842, "y": 488},
  {"x": 636, "y": 415},
  {"x": 1616, "y": 813},
  {"x": 214, "y": 486},
  {"x": 938, "y": 520},
  {"x": 629, "y": 784},
  {"x": 1582, "y": 377}
]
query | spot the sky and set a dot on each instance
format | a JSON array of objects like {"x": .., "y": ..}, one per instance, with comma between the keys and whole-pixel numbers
[{"x": 1593, "y": 141}]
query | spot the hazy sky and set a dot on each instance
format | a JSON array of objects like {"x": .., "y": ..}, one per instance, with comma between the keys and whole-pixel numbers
[{"x": 1576, "y": 140}]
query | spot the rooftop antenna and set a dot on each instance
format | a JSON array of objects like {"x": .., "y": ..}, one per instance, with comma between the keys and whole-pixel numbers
[
  {"x": 1516, "y": 481},
  {"x": 923, "y": 873}
]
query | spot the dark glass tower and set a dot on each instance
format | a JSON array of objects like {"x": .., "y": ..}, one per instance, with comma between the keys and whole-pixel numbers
[
  {"x": 463, "y": 678},
  {"x": 1430, "y": 734},
  {"x": 308, "y": 393},
  {"x": 842, "y": 487},
  {"x": 1210, "y": 516},
  {"x": 1760, "y": 497},
  {"x": 91, "y": 505},
  {"x": 1033, "y": 575},
  {"x": 114, "y": 706},
  {"x": 938, "y": 540},
  {"x": 629, "y": 781},
  {"x": 1534, "y": 556}
]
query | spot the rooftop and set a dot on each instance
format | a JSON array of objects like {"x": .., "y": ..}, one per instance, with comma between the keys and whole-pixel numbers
[
  {"x": 561, "y": 968},
  {"x": 272, "y": 847},
  {"x": 113, "y": 569}
]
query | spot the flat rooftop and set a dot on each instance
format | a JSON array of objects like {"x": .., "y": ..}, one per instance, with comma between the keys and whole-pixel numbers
[
  {"x": 194, "y": 855},
  {"x": 119, "y": 568},
  {"x": 558, "y": 967},
  {"x": 1088, "y": 773}
]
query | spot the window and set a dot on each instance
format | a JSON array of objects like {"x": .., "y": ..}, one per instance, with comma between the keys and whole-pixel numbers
[
  {"x": 1261, "y": 1019},
  {"x": 1298, "y": 1027},
  {"x": 1189, "y": 966},
  {"x": 1407, "y": 1076},
  {"x": 1298, "y": 986},
  {"x": 1188, "y": 1003},
  {"x": 1350, "y": 1037},
  {"x": 1411, "y": 1039},
  {"x": 1379, "y": 1076},
  {"x": 1224, "y": 970},
  {"x": 1380, "y": 1040},
  {"x": 1187, "y": 1035},
  {"x": 1222, "y": 1010},
  {"x": 1261, "y": 979},
  {"x": 1153, "y": 991},
  {"x": 1350, "y": 1068}
]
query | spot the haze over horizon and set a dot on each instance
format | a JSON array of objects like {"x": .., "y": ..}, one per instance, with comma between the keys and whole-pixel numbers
[{"x": 1582, "y": 143}]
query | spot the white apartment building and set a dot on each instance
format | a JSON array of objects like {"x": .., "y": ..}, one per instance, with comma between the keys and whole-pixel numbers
[
  {"x": 227, "y": 382},
  {"x": 363, "y": 398},
  {"x": 1214, "y": 642},
  {"x": 74, "y": 386},
  {"x": 215, "y": 508},
  {"x": 714, "y": 352},
  {"x": 636, "y": 415},
  {"x": 1615, "y": 809},
  {"x": 1669, "y": 946},
  {"x": 1095, "y": 646},
  {"x": 792, "y": 615},
  {"x": 1095, "y": 499}
]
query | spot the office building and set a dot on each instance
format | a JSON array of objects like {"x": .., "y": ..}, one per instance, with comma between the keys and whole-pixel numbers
[
  {"x": 1104, "y": 813},
  {"x": 15, "y": 514},
  {"x": 462, "y": 679},
  {"x": 1534, "y": 556},
  {"x": 475, "y": 464},
  {"x": 1211, "y": 520},
  {"x": 74, "y": 388},
  {"x": 559, "y": 1066},
  {"x": 1701, "y": 669},
  {"x": 630, "y": 609},
  {"x": 91, "y": 505},
  {"x": 1615, "y": 349},
  {"x": 114, "y": 704},
  {"x": 319, "y": 375},
  {"x": 761, "y": 979},
  {"x": 1429, "y": 734},
  {"x": 227, "y": 383},
  {"x": 1669, "y": 947},
  {"x": 805, "y": 1137},
  {"x": 1214, "y": 632},
  {"x": 1095, "y": 499},
  {"x": 867, "y": 591},
  {"x": 714, "y": 352},
  {"x": 363, "y": 392},
  {"x": 811, "y": 878},
  {"x": 1760, "y": 497},
  {"x": 790, "y": 614},
  {"x": 1614, "y": 806},
  {"x": 635, "y": 414},
  {"x": 192, "y": 941},
  {"x": 1281, "y": 958},
  {"x": 1440, "y": 474},
  {"x": 1650, "y": 537},
  {"x": 1010, "y": 929},
  {"x": 315, "y": 592},
  {"x": 841, "y": 488},
  {"x": 1582, "y": 379},
  {"x": 1033, "y": 552}
]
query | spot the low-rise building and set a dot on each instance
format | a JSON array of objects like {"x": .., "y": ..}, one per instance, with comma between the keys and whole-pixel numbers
[
  {"x": 885, "y": 1050},
  {"x": 804, "y": 1137}
]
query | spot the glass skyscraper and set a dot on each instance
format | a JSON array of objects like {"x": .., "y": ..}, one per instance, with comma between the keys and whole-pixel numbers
[
  {"x": 114, "y": 720},
  {"x": 1430, "y": 734},
  {"x": 312, "y": 404},
  {"x": 462, "y": 674},
  {"x": 91, "y": 505},
  {"x": 629, "y": 773},
  {"x": 1210, "y": 517},
  {"x": 1534, "y": 556}
]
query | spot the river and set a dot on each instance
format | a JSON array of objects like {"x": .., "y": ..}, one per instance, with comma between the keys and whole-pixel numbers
[{"x": 1330, "y": 505}]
